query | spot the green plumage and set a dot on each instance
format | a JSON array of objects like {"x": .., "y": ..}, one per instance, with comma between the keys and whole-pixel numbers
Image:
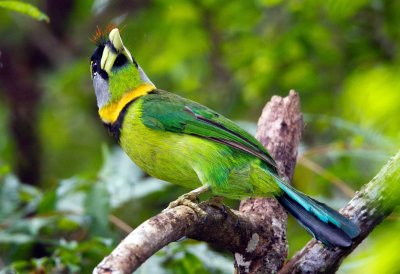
[
  {"x": 185, "y": 143},
  {"x": 161, "y": 134}
]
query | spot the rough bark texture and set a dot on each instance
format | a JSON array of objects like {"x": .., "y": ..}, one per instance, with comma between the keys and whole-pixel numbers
[
  {"x": 147, "y": 239},
  {"x": 367, "y": 209},
  {"x": 256, "y": 235},
  {"x": 231, "y": 230},
  {"x": 279, "y": 130}
]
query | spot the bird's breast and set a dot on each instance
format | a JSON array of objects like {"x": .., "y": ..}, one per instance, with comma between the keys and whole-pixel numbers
[{"x": 164, "y": 155}]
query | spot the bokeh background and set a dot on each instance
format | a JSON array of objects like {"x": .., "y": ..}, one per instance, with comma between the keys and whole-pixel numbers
[{"x": 68, "y": 194}]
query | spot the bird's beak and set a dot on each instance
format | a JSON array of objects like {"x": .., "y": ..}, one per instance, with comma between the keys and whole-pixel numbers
[
  {"x": 116, "y": 41},
  {"x": 112, "y": 49}
]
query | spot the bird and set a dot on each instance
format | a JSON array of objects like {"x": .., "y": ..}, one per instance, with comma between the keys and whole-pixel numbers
[{"x": 185, "y": 143}]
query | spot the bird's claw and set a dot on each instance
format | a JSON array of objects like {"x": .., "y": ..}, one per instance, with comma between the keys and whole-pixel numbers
[{"x": 188, "y": 199}]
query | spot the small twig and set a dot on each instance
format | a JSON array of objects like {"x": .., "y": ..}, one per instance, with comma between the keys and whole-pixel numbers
[
  {"x": 319, "y": 150},
  {"x": 330, "y": 177},
  {"x": 120, "y": 224}
]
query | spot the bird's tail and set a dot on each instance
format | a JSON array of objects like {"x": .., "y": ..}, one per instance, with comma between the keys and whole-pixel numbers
[{"x": 323, "y": 222}]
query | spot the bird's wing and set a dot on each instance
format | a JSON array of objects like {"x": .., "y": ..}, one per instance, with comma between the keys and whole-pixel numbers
[{"x": 169, "y": 112}]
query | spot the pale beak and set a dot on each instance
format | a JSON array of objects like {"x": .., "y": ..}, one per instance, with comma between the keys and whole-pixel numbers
[
  {"x": 116, "y": 41},
  {"x": 110, "y": 53}
]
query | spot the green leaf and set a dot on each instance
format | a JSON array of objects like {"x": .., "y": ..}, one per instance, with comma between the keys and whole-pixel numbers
[
  {"x": 125, "y": 180},
  {"x": 48, "y": 202},
  {"x": 97, "y": 206},
  {"x": 26, "y": 9}
]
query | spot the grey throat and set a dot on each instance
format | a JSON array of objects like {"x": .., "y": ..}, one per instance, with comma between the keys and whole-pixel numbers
[{"x": 101, "y": 89}]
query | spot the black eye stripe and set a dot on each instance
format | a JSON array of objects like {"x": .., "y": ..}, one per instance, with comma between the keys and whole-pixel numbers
[
  {"x": 97, "y": 54},
  {"x": 103, "y": 74},
  {"x": 120, "y": 61},
  {"x": 97, "y": 70},
  {"x": 95, "y": 66},
  {"x": 96, "y": 60}
]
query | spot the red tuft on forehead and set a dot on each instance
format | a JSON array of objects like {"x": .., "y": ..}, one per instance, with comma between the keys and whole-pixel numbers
[{"x": 100, "y": 36}]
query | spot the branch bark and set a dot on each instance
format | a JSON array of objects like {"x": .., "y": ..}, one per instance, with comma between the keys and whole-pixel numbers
[
  {"x": 256, "y": 235},
  {"x": 279, "y": 130},
  {"x": 367, "y": 209}
]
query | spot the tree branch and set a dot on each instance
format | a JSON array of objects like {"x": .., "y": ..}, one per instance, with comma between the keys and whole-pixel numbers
[
  {"x": 367, "y": 209},
  {"x": 256, "y": 235},
  {"x": 279, "y": 130}
]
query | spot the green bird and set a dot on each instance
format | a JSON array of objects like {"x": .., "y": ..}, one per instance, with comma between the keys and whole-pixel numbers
[{"x": 185, "y": 143}]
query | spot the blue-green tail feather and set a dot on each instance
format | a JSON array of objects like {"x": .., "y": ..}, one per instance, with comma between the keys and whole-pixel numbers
[{"x": 324, "y": 223}]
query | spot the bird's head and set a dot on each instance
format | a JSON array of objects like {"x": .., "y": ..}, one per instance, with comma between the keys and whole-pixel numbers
[{"x": 117, "y": 77}]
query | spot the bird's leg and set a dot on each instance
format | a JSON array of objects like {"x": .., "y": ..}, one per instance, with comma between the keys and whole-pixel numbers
[{"x": 188, "y": 199}]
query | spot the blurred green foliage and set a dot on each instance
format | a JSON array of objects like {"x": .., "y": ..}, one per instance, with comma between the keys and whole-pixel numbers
[
  {"x": 341, "y": 56},
  {"x": 25, "y": 8}
]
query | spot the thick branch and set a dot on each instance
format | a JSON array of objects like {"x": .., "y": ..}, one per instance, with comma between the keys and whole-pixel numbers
[
  {"x": 368, "y": 208},
  {"x": 258, "y": 232},
  {"x": 279, "y": 130},
  {"x": 231, "y": 230}
]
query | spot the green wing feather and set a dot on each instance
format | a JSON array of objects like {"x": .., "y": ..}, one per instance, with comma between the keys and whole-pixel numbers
[
  {"x": 166, "y": 111},
  {"x": 169, "y": 112}
]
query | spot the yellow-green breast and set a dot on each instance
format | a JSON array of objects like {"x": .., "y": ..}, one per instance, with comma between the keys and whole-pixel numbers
[{"x": 161, "y": 154}]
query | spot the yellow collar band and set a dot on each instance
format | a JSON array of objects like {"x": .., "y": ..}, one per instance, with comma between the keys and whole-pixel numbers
[{"x": 109, "y": 113}]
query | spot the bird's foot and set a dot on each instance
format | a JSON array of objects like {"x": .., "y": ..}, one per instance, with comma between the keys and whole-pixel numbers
[{"x": 188, "y": 199}]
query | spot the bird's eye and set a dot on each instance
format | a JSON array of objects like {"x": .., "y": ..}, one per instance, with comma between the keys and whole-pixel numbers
[{"x": 94, "y": 67}]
